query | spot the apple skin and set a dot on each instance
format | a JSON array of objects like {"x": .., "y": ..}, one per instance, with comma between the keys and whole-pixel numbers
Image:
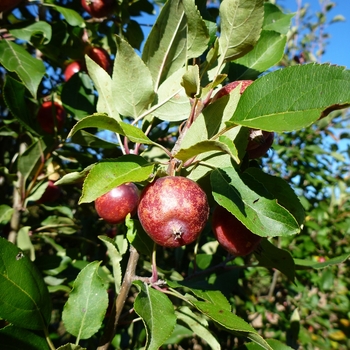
[
  {"x": 6, "y": 5},
  {"x": 173, "y": 210},
  {"x": 72, "y": 68},
  {"x": 225, "y": 90},
  {"x": 116, "y": 204},
  {"x": 259, "y": 143},
  {"x": 48, "y": 112},
  {"x": 231, "y": 234},
  {"x": 101, "y": 57},
  {"x": 51, "y": 194},
  {"x": 98, "y": 8}
]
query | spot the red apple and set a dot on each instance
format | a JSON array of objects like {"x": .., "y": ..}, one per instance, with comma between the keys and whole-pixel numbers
[
  {"x": 231, "y": 234},
  {"x": 225, "y": 90},
  {"x": 51, "y": 194},
  {"x": 51, "y": 115},
  {"x": 98, "y": 8},
  {"x": 173, "y": 210},
  {"x": 72, "y": 68},
  {"x": 101, "y": 57},
  {"x": 116, "y": 204},
  {"x": 259, "y": 143},
  {"x": 6, "y": 5}
]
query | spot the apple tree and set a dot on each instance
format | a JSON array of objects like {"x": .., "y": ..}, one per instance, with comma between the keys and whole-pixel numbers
[{"x": 140, "y": 200}]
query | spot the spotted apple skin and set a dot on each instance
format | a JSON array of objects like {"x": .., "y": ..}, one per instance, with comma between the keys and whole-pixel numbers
[
  {"x": 116, "y": 204},
  {"x": 231, "y": 234},
  {"x": 173, "y": 210}
]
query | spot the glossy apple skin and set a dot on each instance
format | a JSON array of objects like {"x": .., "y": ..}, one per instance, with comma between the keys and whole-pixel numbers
[
  {"x": 101, "y": 57},
  {"x": 259, "y": 145},
  {"x": 225, "y": 90},
  {"x": 231, "y": 234},
  {"x": 48, "y": 112},
  {"x": 173, "y": 210},
  {"x": 51, "y": 194},
  {"x": 98, "y": 8},
  {"x": 72, "y": 68},
  {"x": 116, "y": 204}
]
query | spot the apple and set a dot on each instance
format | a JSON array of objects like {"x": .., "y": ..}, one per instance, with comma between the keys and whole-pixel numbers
[
  {"x": 98, "y": 8},
  {"x": 173, "y": 210},
  {"x": 259, "y": 143},
  {"x": 72, "y": 68},
  {"x": 51, "y": 115},
  {"x": 116, "y": 204},
  {"x": 6, "y": 5},
  {"x": 225, "y": 90},
  {"x": 51, "y": 194},
  {"x": 231, "y": 234},
  {"x": 101, "y": 57}
]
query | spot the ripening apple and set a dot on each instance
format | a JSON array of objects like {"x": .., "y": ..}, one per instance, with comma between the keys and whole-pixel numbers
[
  {"x": 51, "y": 115},
  {"x": 231, "y": 234},
  {"x": 116, "y": 204},
  {"x": 98, "y": 8},
  {"x": 173, "y": 210},
  {"x": 259, "y": 143},
  {"x": 72, "y": 68},
  {"x": 52, "y": 193},
  {"x": 101, "y": 57}
]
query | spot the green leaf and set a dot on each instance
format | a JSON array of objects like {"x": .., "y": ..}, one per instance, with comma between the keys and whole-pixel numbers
[
  {"x": 16, "y": 59},
  {"x": 132, "y": 84},
  {"x": 241, "y": 22},
  {"x": 24, "y": 242},
  {"x": 103, "y": 84},
  {"x": 272, "y": 257},
  {"x": 114, "y": 172},
  {"x": 198, "y": 324},
  {"x": 303, "y": 264},
  {"x": 72, "y": 17},
  {"x": 86, "y": 306},
  {"x": 293, "y": 98},
  {"x": 60, "y": 224},
  {"x": 74, "y": 177},
  {"x": 5, "y": 214},
  {"x": 39, "y": 28},
  {"x": 252, "y": 204},
  {"x": 275, "y": 19},
  {"x": 191, "y": 81},
  {"x": 230, "y": 321},
  {"x": 14, "y": 338},
  {"x": 138, "y": 238},
  {"x": 157, "y": 313},
  {"x": 268, "y": 52},
  {"x": 212, "y": 296},
  {"x": 70, "y": 346},
  {"x": 275, "y": 345},
  {"x": 84, "y": 138},
  {"x": 24, "y": 298}
]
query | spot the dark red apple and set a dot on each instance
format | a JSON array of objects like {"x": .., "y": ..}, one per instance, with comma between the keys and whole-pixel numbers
[
  {"x": 116, "y": 204},
  {"x": 101, "y": 57},
  {"x": 173, "y": 210},
  {"x": 231, "y": 234},
  {"x": 259, "y": 143},
  {"x": 6, "y": 5},
  {"x": 51, "y": 115},
  {"x": 51, "y": 194},
  {"x": 225, "y": 90},
  {"x": 72, "y": 68},
  {"x": 98, "y": 8}
]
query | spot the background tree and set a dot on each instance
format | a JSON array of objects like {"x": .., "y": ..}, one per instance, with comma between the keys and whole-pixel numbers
[{"x": 121, "y": 109}]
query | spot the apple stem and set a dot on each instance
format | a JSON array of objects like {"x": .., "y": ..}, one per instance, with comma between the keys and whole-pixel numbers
[{"x": 154, "y": 277}]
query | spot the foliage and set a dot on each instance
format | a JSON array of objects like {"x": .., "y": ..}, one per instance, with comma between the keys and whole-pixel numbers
[{"x": 70, "y": 280}]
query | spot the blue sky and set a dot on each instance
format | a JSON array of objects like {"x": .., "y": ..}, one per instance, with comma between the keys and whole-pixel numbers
[{"x": 338, "y": 50}]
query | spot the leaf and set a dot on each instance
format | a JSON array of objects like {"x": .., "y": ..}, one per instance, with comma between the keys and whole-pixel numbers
[
  {"x": 24, "y": 298},
  {"x": 114, "y": 172},
  {"x": 275, "y": 19},
  {"x": 191, "y": 81},
  {"x": 5, "y": 214},
  {"x": 14, "y": 338},
  {"x": 157, "y": 313},
  {"x": 293, "y": 98},
  {"x": 103, "y": 83},
  {"x": 138, "y": 238},
  {"x": 132, "y": 84},
  {"x": 70, "y": 346},
  {"x": 275, "y": 345},
  {"x": 39, "y": 28},
  {"x": 230, "y": 321},
  {"x": 303, "y": 264},
  {"x": 212, "y": 296},
  {"x": 87, "y": 303},
  {"x": 241, "y": 22},
  {"x": 72, "y": 17},
  {"x": 74, "y": 177},
  {"x": 60, "y": 223},
  {"x": 268, "y": 52},
  {"x": 16, "y": 59},
  {"x": 86, "y": 139},
  {"x": 252, "y": 204},
  {"x": 24, "y": 242},
  {"x": 198, "y": 325},
  {"x": 271, "y": 257}
]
